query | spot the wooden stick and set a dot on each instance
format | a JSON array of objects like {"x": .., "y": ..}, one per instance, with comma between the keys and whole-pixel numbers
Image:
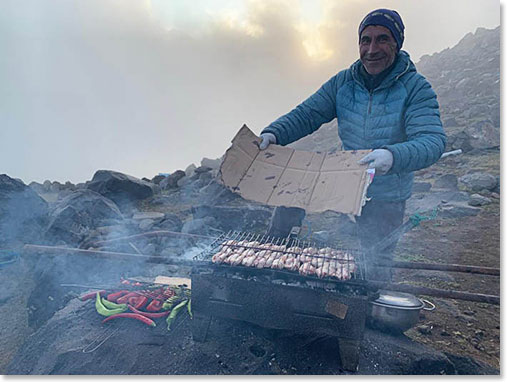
[{"x": 442, "y": 267}]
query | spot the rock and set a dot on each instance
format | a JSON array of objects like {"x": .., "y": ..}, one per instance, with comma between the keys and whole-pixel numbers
[
  {"x": 37, "y": 187},
  {"x": 245, "y": 218},
  {"x": 148, "y": 215},
  {"x": 149, "y": 249},
  {"x": 433, "y": 200},
  {"x": 55, "y": 187},
  {"x": 457, "y": 210},
  {"x": 171, "y": 222},
  {"x": 205, "y": 178},
  {"x": 171, "y": 181},
  {"x": 199, "y": 226},
  {"x": 216, "y": 193},
  {"x": 494, "y": 195},
  {"x": 184, "y": 181},
  {"x": 424, "y": 329},
  {"x": 158, "y": 178},
  {"x": 211, "y": 163},
  {"x": 478, "y": 181},
  {"x": 448, "y": 182},
  {"x": 78, "y": 213},
  {"x": 189, "y": 171},
  {"x": 478, "y": 200},
  {"x": 47, "y": 185},
  {"x": 146, "y": 224},
  {"x": 202, "y": 169},
  {"x": 23, "y": 213},
  {"x": 120, "y": 188},
  {"x": 497, "y": 188},
  {"x": 421, "y": 187}
]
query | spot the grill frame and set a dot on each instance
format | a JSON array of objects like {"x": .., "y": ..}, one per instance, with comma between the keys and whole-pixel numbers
[
  {"x": 281, "y": 299},
  {"x": 357, "y": 255}
]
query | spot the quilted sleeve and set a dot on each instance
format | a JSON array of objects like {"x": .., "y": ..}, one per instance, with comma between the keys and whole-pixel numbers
[
  {"x": 426, "y": 138},
  {"x": 307, "y": 117}
]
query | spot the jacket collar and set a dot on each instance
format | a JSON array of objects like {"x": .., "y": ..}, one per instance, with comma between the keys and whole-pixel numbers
[{"x": 402, "y": 65}]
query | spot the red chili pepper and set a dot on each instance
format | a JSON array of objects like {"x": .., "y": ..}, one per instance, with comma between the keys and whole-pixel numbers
[
  {"x": 142, "y": 300},
  {"x": 147, "y": 314},
  {"x": 154, "y": 306},
  {"x": 136, "y": 316},
  {"x": 91, "y": 295},
  {"x": 116, "y": 295},
  {"x": 124, "y": 299}
]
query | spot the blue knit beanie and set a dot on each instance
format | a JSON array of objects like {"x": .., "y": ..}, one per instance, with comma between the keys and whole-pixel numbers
[{"x": 386, "y": 18}]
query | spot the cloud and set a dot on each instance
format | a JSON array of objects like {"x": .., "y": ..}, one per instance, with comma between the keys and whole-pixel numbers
[{"x": 97, "y": 84}]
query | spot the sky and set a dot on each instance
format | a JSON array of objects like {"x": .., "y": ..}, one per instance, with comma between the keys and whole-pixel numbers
[{"x": 151, "y": 86}]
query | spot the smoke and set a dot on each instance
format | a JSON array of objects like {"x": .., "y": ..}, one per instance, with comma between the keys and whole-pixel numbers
[{"x": 106, "y": 84}]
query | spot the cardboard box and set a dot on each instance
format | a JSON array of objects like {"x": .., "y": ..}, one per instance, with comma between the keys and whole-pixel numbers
[{"x": 281, "y": 176}]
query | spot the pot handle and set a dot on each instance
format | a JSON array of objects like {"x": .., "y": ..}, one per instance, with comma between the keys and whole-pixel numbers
[{"x": 426, "y": 302}]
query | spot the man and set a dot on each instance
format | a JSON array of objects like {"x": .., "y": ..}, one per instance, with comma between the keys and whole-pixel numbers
[{"x": 381, "y": 103}]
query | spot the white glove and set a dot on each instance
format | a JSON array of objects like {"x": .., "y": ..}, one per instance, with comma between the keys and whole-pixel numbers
[
  {"x": 380, "y": 159},
  {"x": 267, "y": 139}
]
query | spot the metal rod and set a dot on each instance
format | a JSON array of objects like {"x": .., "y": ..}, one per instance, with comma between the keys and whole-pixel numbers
[
  {"x": 50, "y": 250},
  {"x": 467, "y": 296},
  {"x": 442, "y": 267},
  {"x": 148, "y": 234}
]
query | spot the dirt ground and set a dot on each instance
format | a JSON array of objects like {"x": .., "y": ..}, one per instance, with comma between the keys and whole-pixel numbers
[{"x": 467, "y": 328}]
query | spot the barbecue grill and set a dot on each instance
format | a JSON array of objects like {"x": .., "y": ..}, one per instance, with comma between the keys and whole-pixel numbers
[{"x": 281, "y": 298}]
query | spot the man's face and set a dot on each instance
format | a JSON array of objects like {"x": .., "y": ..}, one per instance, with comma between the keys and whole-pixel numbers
[{"x": 377, "y": 48}]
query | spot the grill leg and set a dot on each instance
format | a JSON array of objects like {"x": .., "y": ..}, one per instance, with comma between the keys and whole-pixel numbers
[
  {"x": 200, "y": 326},
  {"x": 349, "y": 353}
]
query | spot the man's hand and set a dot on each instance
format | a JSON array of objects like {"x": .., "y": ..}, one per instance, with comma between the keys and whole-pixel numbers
[
  {"x": 380, "y": 159},
  {"x": 267, "y": 139}
]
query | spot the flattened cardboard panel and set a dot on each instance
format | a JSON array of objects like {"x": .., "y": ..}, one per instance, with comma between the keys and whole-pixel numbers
[
  {"x": 247, "y": 141},
  {"x": 276, "y": 155},
  {"x": 336, "y": 192},
  {"x": 281, "y": 176},
  {"x": 294, "y": 188},
  {"x": 235, "y": 165},
  {"x": 260, "y": 181},
  {"x": 306, "y": 160}
]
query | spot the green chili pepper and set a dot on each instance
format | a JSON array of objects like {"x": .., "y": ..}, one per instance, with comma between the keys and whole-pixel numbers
[
  {"x": 102, "y": 310},
  {"x": 174, "y": 312},
  {"x": 189, "y": 308},
  {"x": 168, "y": 304},
  {"x": 111, "y": 305}
]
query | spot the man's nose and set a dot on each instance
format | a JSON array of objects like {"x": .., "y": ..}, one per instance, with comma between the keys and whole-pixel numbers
[{"x": 373, "y": 47}]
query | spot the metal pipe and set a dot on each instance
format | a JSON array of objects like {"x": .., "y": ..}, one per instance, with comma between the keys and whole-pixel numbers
[{"x": 467, "y": 296}]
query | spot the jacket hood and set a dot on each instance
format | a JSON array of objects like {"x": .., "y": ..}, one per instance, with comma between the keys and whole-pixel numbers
[{"x": 402, "y": 66}]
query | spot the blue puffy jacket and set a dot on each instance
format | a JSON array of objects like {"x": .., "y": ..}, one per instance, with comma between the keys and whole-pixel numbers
[{"x": 400, "y": 115}]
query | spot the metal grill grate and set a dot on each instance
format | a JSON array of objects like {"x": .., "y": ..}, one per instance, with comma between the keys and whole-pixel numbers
[{"x": 251, "y": 248}]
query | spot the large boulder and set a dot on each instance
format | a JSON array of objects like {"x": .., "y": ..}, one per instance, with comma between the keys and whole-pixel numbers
[
  {"x": 23, "y": 213},
  {"x": 244, "y": 218},
  {"x": 120, "y": 188},
  {"x": 478, "y": 181},
  {"x": 77, "y": 214},
  {"x": 171, "y": 181}
]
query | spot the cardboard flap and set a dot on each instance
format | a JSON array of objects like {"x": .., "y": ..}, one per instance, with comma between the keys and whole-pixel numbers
[{"x": 281, "y": 176}]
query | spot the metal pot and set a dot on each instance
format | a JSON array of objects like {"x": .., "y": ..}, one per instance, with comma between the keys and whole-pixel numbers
[{"x": 396, "y": 311}]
